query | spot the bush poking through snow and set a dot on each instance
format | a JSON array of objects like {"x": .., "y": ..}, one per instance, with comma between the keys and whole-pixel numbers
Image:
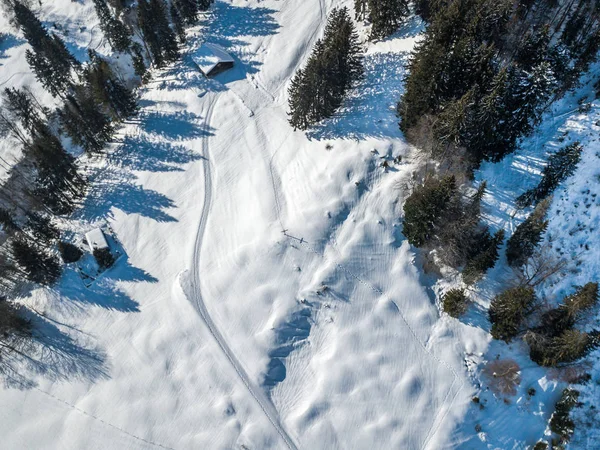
[
  {"x": 540, "y": 445},
  {"x": 561, "y": 422},
  {"x": 104, "y": 258},
  {"x": 503, "y": 375},
  {"x": 509, "y": 310},
  {"x": 69, "y": 253},
  {"x": 455, "y": 302}
]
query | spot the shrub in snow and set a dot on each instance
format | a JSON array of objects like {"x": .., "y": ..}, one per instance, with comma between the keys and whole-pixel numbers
[
  {"x": 508, "y": 311},
  {"x": 503, "y": 376},
  {"x": 540, "y": 445},
  {"x": 455, "y": 302},
  {"x": 69, "y": 253}
]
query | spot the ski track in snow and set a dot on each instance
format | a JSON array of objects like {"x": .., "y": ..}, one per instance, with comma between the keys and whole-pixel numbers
[{"x": 198, "y": 302}]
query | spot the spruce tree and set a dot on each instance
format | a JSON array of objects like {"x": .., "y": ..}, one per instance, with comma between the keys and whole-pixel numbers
[
  {"x": 107, "y": 89},
  {"x": 561, "y": 165},
  {"x": 39, "y": 266},
  {"x": 455, "y": 302},
  {"x": 425, "y": 207},
  {"x": 524, "y": 240},
  {"x": 117, "y": 33},
  {"x": 84, "y": 122},
  {"x": 386, "y": 16},
  {"x": 178, "y": 23},
  {"x": 139, "y": 64},
  {"x": 204, "y": 5},
  {"x": 509, "y": 310},
  {"x": 333, "y": 67},
  {"x": 157, "y": 32},
  {"x": 485, "y": 259},
  {"x": 188, "y": 10},
  {"x": 49, "y": 58},
  {"x": 41, "y": 228},
  {"x": 7, "y": 222}
]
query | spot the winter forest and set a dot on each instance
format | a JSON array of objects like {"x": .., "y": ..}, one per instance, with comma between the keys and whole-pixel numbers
[{"x": 376, "y": 229}]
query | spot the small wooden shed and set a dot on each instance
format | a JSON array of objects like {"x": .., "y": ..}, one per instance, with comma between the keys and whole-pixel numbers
[{"x": 212, "y": 59}]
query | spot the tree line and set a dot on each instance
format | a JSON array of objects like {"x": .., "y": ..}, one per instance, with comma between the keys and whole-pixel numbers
[
  {"x": 47, "y": 182},
  {"x": 478, "y": 82}
]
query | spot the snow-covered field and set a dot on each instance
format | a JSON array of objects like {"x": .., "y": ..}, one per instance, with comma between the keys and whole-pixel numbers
[{"x": 267, "y": 298}]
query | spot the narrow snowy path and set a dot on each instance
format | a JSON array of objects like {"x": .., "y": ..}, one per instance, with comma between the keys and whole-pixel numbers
[{"x": 194, "y": 293}]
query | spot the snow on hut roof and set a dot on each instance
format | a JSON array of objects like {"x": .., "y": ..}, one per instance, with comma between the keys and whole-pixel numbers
[
  {"x": 96, "y": 239},
  {"x": 209, "y": 56}
]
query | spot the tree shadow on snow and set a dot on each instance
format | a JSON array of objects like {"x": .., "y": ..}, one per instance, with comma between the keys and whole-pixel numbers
[
  {"x": 113, "y": 187},
  {"x": 52, "y": 354},
  {"x": 145, "y": 155},
  {"x": 370, "y": 111},
  {"x": 104, "y": 291},
  {"x": 172, "y": 125},
  {"x": 8, "y": 41}
]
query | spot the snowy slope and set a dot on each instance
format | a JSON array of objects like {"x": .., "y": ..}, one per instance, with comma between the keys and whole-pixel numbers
[
  {"x": 267, "y": 298},
  {"x": 574, "y": 218}
]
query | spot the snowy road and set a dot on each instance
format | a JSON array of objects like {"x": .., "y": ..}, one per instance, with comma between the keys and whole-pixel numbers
[{"x": 194, "y": 293}]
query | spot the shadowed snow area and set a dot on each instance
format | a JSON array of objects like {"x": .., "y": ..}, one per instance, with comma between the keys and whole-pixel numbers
[{"x": 267, "y": 299}]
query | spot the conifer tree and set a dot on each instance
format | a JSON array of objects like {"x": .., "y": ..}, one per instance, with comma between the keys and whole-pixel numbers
[
  {"x": 38, "y": 266},
  {"x": 49, "y": 58},
  {"x": 204, "y": 5},
  {"x": 84, "y": 122},
  {"x": 485, "y": 259},
  {"x": 333, "y": 67},
  {"x": 386, "y": 16},
  {"x": 7, "y": 222},
  {"x": 455, "y": 302},
  {"x": 188, "y": 10},
  {"x": 522, "y": 243},
  {"x": 139, "y": 65},
  {"x": 117, "y": 33},
  {"x": 561, "y": 165},
  {"x": 57, "y": 182},
  {"x": 177, "y": 23},
  {"x": 154, "y": 24},
  {"x": 425, "y": 208},
  {"x": 41, "y": 228},
  {"x": 508, "y": 311},
  {"x": 107, "y": 89}
]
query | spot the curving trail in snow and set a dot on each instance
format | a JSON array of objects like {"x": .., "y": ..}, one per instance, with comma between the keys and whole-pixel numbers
[{"x": 194, "y": 293}]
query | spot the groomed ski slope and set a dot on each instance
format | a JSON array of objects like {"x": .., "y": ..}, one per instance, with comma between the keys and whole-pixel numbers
[{"x": 268, "y": 299}]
